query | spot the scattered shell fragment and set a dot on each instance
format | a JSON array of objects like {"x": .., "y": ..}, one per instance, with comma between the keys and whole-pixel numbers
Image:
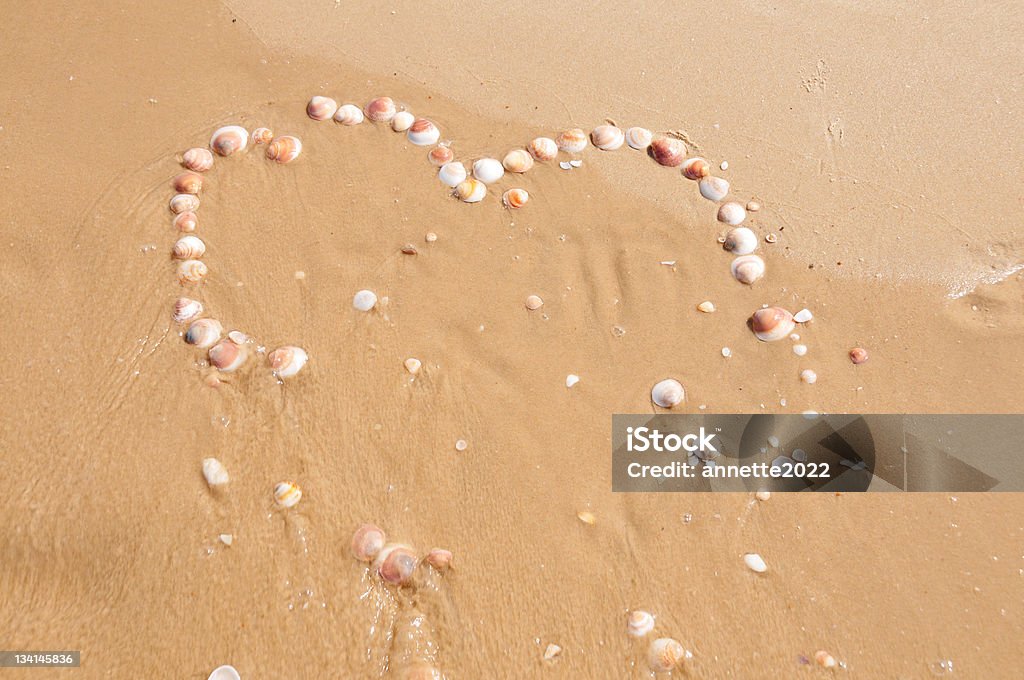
[
  {"x": 799, "y": 455},
  {"x": 808, "y": 376},
  {"x": 461, "y": 445},
  {"x": 321, "y": 108},
  {"x": 753, "y": 206},
  {"x": 364, "y": 300},
  {"x": 740, "y": 241},
  {"x": 607, "y": 137},
  {"x": 439, "y": 558},
  {"x": 227, "y": 356},
  {"x": 824, "y": 659},
  {"x": 726, "y": 352},
  {"x": 571, "y": 379},
  {"x": 287, "y": 494},
  {"x": 229, "y": 139},
  {"x": 197, "y": 159},
  {"x": 214, "y": 472},
  {"x": 191, "y": 271},
  {"x": 665, "y": 654},
  {"x": 380, "y": 110},
  {"x": 423, "y": 132},
  {"x": 262, "y": 135},
  {"x": 488, "y": 170},
  {"x": 803, "y": 316},
  {"x": 412, "y": 365},
  {"x": 471, "y": 191},
  {"x": 668, "y": 151},
  {"x": 573, "y": 140},
  {"x": 441, "y": 154},
  {"x": 367, "y": 542},
  {"x": 396, "y": 563},
  {"x": 287, "y": 361},
  {"x": 724, "y": 165},
  {"x": 534, "y": 302},
  {"x": 696, "y": 168},
  {"x": 284, "y": 149},
  {"x": 186, "y": 309},
  {"x": 800, "y": 350},
  {"x": 226, "y": 539},
  {"x": 575, "y": 163},
  {"x": 638, "y": 138},
  {"x": 713, "y": 188},
  {"x": 402, "y": 121},
  {"x": 188, "y": 247},
  {"x": 238, "y": 337},
  {"x": 430, "y": 237},
  {"x": 772, "y": 323},
  {"x": 517, "y": 160},
  {"x": 763, "y": 495},
  {"x": 639, "y": 623},
  {"x": 587, "y": 517},
  {"x": 565, "y": 165},
  {"x": 668, "y": 393},
  {"x": 551, "y": 651},
  {"x": 858, "y": 355},
  {"x": 181, "y": 203},
  {"x": 515, "y": 198},
  {"x": 452, "y": 174},
  {"x": 186, "y": 222},
  {"x": 204, "y": 333},
  {"x": 707, "y": 307},
  {"x": 224, "y": 673},
  {"x": 543, "y": 148},
  {"x": 409, "y": 249},
  {"x": 732, "y": 213},
  {"x": 747, "y": 268},
  {"x": 348, "y": 114},
  {"x": 771, "y": 238},
  {"x": 188, "y": 183},
  {"x": 755, "y": 562}
]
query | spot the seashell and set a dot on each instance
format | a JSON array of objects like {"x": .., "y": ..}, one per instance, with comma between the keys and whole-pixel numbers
[
  {"x": 440, "y": 155},
  {"x": 197, "y": 159},
  {"x": 668, "y": 393},
  {"x": 204, "y": 333},
  {"x": 824, "y": 659},
  {"x": 471, "y": 191},
  {"x": 452, "y": 174},
  {"x": 189, "y": 248},
  {"x": 186, "y": 309},
  {"x": 227, "y": 356},
  {"x": 224, "y": 673},
  {"x": 858, "y": 355},
  {"x": 803, "y": 316},
  {"x": 396, "y": 564},
  {"x": 517, "y": 160},
  {"x": 423, "y": 132},
  {"x": 367, "y": 542},
  {"x": 587, "y": 517},
  {"x": 534, "y": 302},
  {"x": 544, "y": 148},
  {"x": 800, "y": 350},
  {"x": 380, "y": 110},
  {"x": 732, "y": 213},
  {"x": 607, "y": 137},
  {"x": 287, "y": 361},
  {"x": 755, "y": 563},
  {"x": 488, "y": 170},
  {"x": 713, "y": 188},
  {"x": 551, "y": 651},
  {"x": 191, "y": 271},
  {"x": 668, "y": 151},
  {"x": 364, "y": 300},
  {"x": 184, "y": 203},
  {"x": 229, "y": 139},
  {"x": 763, "y": 495},
  {"x": 284, "y": 149},
  {"x": 808, "y": 376},
  {"x": 238, "y": 337},
  {"x": 515, "y": 198},
  {"x": 638, "y": 138},
  {"x": 747, "y": 268},
  {"x": 696, "y": 168},
  {"x": 186, "y": 221},
  {"x": 639, "y": 623},
  {"x": 349, "y": 114},
  {"x": 413, "y": 365},
  {"x": 740, "y": 241},
  {"x": 321, "y": 108},
  {"x": 707, "y": 307},
  {"x": 214, "y": 472},
  {"x": 753, "y": 206},
  {"x": 226, "y": 539},
  {"x": 402, "y": 121},
  {"x": 188, "y": 183},
  {"x": 262, "y": 135},
  {"x": 439, "y": 559},
  {"x": 665, "y": 654},
  {"x": 573, "y": 140},
  {"x": 571, "y": 379},
  {"x": 772, "y": 323},
  {"x": 287, "y": 494}
]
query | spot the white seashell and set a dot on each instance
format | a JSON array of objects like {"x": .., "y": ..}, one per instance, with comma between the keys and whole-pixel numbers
[
  {"x": 364, "y": 300},
  {"x": 367, "y": 542},
  {"x": 349, "y": 114},
  {"x": 488, "y": 170},
  {"x": 515, "y": 198},
  {"x": 287, "y": 494},
  {"x": 183, "y": 203},
  {"x": 755, "y": 562},
  {"x": 226, "y": 539},
  {"x": 452, "y": 174},
  {"x": 287, "y": 361},
  {"x": 707, "y": 307},
  {"x": 771, "y": 323},
  {"x": 229, "y": 139},
  {"x": 214, "y": 471},
  {"x": 800, "y": 350},
  {"x": 423, "y": 133},
  {"x": 534, "y": 302},
  {"x": 747, "y": 268},
  {"x": 262, "y": 135},
  {"x": 668, "y": 393},
  {"x": 197, "y": 159},
  {"x": 224, "y": 673},
  {"x": 186, "y": 222},
  {"x": 713, "y": 188},
  {"x": 575, "y": 163},
  {"x": 639, "y": 623},
  {"x": 551, "y": 651},
  {"x": 638, "y": 138},
  {"x": 740, "y": 241},
  {"x": 571, "y": 379},
  {"x": 572, "y": 141},
  {"x": 732, "y": 213},
  {"x": 189, "y": 248},
  {"x": 284, "y": 149},
  {"x": 544, "y": 148},
  {"x": 517, "y": 160},
  {"x": 471, "y": 191},
  {"x": 186, "y": 309},
  {"x": 763, "y": 495},
  {"x": 412, "y": 365},
  {"x": 803, "y": 316},
  {"x": 321, "y": 108},
  {"x": 607, "y": 137},
  {"x": 191, "y": 271},
  {"x": 380, "y": 110},
  {"x": 204, "y": 333},
  {"x": 665, "y": 654},
  {"x": 565, "y": 165},
  {"x": 808, "y": 376},
  {"x": 227, "y": 356},
  {"x": 826, "y": 660},
  {"x": 402, "y": 121}
]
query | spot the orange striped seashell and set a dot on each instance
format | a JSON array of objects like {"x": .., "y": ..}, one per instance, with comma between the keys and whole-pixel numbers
[
  {"x": 284, "y": 149},
  {"x": 262, "y": 135},
  {"x": 381, "y": 109},
  {"x": 188, "y": 183},
  {"x": 518, "y": 160},
  {"x": 440, "y": 155},
  {"x": 186, "y": 222},
  {"x": 191, "y": 271},
  {"x": 573, "y": 140},
  {"x": 515, "y": 198},
  {"x": 696, "y": 168},
  {"x": 321, "y": 108},
  {"x": 543, "y": 148},
  {"x": 197, "y": 159},
  {"x": 287, "y": 494}
]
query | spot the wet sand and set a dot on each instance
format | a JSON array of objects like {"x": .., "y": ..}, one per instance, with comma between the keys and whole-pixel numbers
[{"x": 110, "y": 532}]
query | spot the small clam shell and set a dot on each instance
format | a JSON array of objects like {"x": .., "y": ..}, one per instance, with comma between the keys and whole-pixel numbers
[
  {"x": 402, "y": 121},
  {"x": 186, "y": 222},
  {"x": 708, "y": 307},
  {"x": 183, "y": 203},
  {"x": 665, "y": 654},
  {"x": 488, "y": 170},
  {"x": 367, "y": 542},
  {"x": 668, "y": 393},
  {"x": 440, "y": 155},
  {"x": 227, "y": 356},
  {"x": 287, "y": 494},
  {"x": 755, "y": 563},
  {"x": 573, "y": 140},
  {"x": 638, "y": 138},
  {"x": 188, "y": 183},
  {"x": 439, "y": 559},
  {"x": 696, "y": 168},
  {"x": 808, "y": 376},
  {"x": 186, "y": 309},
  {"x": 321, "y": 108},
  {"x": 224, "y": 673},
  {"x": 229, "y": 139},
  {"x": 423, "y": 132},
  {"x": 204, "y": 333},
  {"x": 668, "y": 151},
  {"x": 732, "y": 213},
  {"x": 858, "y": 355},
  {"x": 534, "y": 302},
  {"x": 515, "y": 198},
  {"x": 349, "y": 114},
  {"x": 287, "y": 361},
  {"x": 544, "y": 148},
  {"x": 713, "y": 188},
  {"x": 803, "y": 316},
  {"x": 413, "y": 365},
  {"x": 284, "y": 149},
  {"x": 747, "y": 268},
  {"x": 262, "y": 135},
  {"x": 639, "y": 623},
  {"x": 197, "y": 159},
  {"x": 396, "y": 564},
  {"x": 364, "y": 300},
  {"x": 191, "y": 271},
  {"x": 380, "y": 110},
  {"x": 824, "y": 659},
  {"x": 772, "y": 323},
  {"x": 452, "y": 174},
  {"x": 471, "y": 191},
  {"x": 214, "y": 472},
  {"x": 607, "y": 137},
  {"x": 740, "y": 241},
  {"x": 517, "y": 160},
  {"x": 189, "y": 248}
]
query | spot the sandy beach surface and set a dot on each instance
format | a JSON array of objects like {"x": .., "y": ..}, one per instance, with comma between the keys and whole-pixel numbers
[{"x": 883, "y": 144}]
